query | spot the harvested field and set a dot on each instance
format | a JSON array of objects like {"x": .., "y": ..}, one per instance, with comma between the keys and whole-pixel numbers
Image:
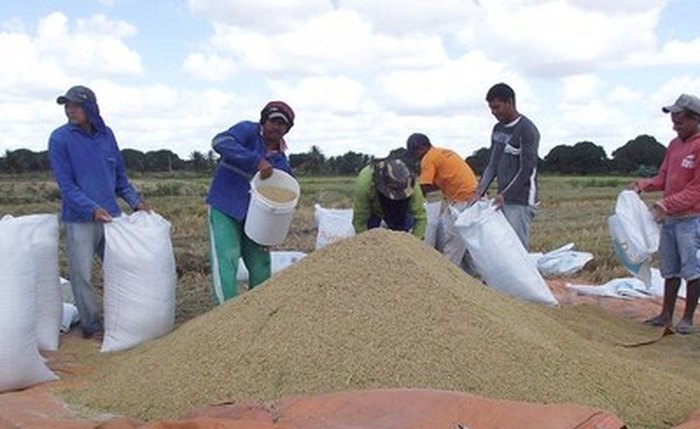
[{"x": 383, "y": 310}]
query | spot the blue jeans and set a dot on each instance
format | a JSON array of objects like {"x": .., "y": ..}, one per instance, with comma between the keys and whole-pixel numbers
[
  {"x": 679, "y": 248},
  {"x": 84, "y": 241},
  {"x": 520, "y": 218}
]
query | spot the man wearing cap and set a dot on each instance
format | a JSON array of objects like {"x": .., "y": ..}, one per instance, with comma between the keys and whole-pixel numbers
[
  {"x": 512, "y": 162},
  {"x": 444, "y": 170},
  {"x": 386, "y": 191},
  {"x": 679, "y": 212},
  {"x": 246, "y": 148},
  {"x": 90, "y": 174}
]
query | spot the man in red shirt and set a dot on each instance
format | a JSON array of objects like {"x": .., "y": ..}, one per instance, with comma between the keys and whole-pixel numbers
[{"x": 679, "y": 212}]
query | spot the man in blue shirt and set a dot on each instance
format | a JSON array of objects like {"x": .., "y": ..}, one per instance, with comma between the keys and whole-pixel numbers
[
  {"x": 246, "y": 148},
  {"x": 90, "y": 174}
]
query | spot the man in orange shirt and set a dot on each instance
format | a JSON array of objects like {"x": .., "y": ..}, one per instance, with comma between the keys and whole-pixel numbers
[{"x": 445, "y": 171}]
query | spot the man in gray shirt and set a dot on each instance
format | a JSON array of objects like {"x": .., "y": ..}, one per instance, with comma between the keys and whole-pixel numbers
[{"x": 513, "y": 162}]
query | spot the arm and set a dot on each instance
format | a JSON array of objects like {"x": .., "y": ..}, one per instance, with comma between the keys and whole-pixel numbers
[
  {"x": 427, "y": 175},
  {"x": 362, "y": 200},
  {"x": 124, "y": 189},
  {"x": 655, "y": 183},
  {"x": 279, "y": 161},
  {"x": 426, "y": 189},
  {"x": 236, "y": 148},
  {"x": 489, "y": 173},
  {"x": 420, "y": 217}
]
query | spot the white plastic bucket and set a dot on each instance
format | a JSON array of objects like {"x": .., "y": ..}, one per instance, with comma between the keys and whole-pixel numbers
[{"x": 267, "y": 222}]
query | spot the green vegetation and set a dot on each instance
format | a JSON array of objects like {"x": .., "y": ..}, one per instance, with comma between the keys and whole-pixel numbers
[{"x": 641, "y": 155}]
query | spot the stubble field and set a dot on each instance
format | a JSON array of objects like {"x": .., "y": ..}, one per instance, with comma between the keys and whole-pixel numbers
[{"x": 573, "y": 209}]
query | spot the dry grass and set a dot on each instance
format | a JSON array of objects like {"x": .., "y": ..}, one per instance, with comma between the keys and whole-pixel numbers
[{"x": 573, "y": 209}]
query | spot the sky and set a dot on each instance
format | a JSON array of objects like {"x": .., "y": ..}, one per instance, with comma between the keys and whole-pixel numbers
[{"x": 361, "y": 75}]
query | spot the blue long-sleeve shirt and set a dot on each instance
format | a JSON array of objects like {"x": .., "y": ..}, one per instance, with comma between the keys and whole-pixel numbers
[
  {"x": 90, "y": 173},
  {"x": 241, "y": 148}
]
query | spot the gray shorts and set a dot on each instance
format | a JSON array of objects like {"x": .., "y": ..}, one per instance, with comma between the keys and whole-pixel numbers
[{"x": 679, "y": 248}]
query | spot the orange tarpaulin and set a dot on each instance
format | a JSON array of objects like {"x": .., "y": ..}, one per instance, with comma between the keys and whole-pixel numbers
[{"x": 376, "y": 409}]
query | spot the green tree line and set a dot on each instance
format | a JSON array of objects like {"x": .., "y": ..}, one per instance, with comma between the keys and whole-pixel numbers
[{"x": 641, "y": 156}]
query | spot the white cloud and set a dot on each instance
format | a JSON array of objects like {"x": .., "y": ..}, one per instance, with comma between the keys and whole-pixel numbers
[
  {"x": 93, "y": 48},
  {"x": 101, "y": 26},
  {"x": 580, "y": 88},
  {"x": 338, "y": 41},
  {"x": 399, "y": 17},
  {"x": 267, "y": 16},
  {"x": 677, "y": 52},
  {"x": 622, "y": 94},
  {"x": 212, "y": 67},
  {"x": 153, "y": 117},
  {"x": 454, "y": 86},
  {"x": 341, "y": 95},
  {"x": 555, "y": 38},
  {"x": 28, "y": 68},
  {"x": 619, "y": 6},
  {"x": 361, "y": 75},
  {"x": 59, "y": 56}
]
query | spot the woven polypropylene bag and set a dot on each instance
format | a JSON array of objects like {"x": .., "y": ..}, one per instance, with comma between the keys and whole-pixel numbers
[{"x": 21, "y": 365}]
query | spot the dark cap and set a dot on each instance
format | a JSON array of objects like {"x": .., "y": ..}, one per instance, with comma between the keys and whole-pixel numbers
[
  {"x": 417, "y": 140},
  {"x": 684, "y": 102},
  {"x": 277, "y": 109},
  {"x": 393, "y": 179},
  {"x": 77, "y": 94}
]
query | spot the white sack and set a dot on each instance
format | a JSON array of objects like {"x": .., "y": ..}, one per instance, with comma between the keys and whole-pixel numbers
[
  {"x": 639, "y": 232},
  {"x": 641, "y": 269},
  {"x": 432, "y": 211},
  {"x": 70, "y": 316},
  {"x": 43, "y": 232},
  {"x": 67, "y": 290},
  {"x": 563, "y": 261},
  {"x": 333, "y": 225},
  {"x": 21, "y": 365},
  {"x": 624, "y": 288},
  {"x": 278, "y": 259},
  {"x": 629, "y": 287},
  {"x": 140, "y": 279},
  {"x": 498, "y": 254}
]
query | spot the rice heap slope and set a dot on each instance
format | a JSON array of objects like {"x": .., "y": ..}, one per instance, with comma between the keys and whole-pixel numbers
[{"x": 381, "y": 309}]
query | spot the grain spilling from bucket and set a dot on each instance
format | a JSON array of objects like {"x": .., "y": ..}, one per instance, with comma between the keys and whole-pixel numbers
[
  {"x": 382, "y": 309},
  {"x": 278, "y": 195}
]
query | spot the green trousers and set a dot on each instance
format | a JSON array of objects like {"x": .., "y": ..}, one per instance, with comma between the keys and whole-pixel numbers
[{"x": 228, "y": 243}]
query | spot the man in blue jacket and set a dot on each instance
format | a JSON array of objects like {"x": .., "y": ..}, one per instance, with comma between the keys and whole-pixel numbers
[
  {"x": 90, "y": 174},
  {"x": 245, "y": 149}
]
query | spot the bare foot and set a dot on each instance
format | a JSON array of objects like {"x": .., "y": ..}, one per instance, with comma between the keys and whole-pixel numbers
[
  {"x": 684, "y": 327},
  {"x": 659, "y": 320}
]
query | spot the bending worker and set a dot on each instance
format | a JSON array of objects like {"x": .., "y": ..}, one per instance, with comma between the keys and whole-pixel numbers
[
  {"x": 386, "y": 192},
  {"x": 443, "y": 170}
]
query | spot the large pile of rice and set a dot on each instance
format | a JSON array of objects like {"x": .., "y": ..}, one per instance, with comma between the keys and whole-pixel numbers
[{"x": 381, "y": 309}]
